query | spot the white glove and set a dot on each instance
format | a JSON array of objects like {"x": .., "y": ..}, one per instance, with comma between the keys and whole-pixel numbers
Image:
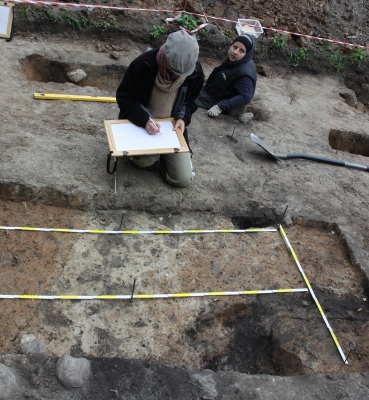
[{"x": 214, "y": 111}]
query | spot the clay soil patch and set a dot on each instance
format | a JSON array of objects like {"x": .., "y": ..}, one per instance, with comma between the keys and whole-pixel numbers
[{"x": 28, "y": 263}]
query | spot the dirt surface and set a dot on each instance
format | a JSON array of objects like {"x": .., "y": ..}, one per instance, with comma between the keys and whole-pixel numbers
[
  {"x": 29, "y": 265},
  {"x": 328, "y": 19},
  {"x": 114, "y": 378},
  {"x": 53, "y": 174},
  {"x": 273, "y": 334}
]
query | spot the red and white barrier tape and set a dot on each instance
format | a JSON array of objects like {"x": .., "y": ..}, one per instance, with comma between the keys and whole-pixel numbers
[
  {"x": 319, "y": 38},
  {"x": 90, "y": 7},
  {"x": 291, "y": 33}
]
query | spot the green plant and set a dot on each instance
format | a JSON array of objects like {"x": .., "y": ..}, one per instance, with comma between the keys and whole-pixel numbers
[
  {"x": 55, "y": 18},
  {"x": 277, "y": 42},
  {"x": 80, "y": 21},
  {"x": 85, "y": 21},
  {"x": 201, "y": 32},
  {"x": 108, "y": 25},
  {"x": 228, "y": 36},
  {"x": 337, "y": 60},
  {"x": 299, "y": 56},
  {"x": 204, "y": 32},
  {"x": 358, "y": 56},
  {"x": 260, "y": 46},
  {"x": 73, "y": 21},
  {"x": 157, "y": 30},
  {"x": 103, "y": 25},
  {"x": 188, "y": 21},
  {"x": 25, "y": 12},
  {"x": 325, "y": 45}
]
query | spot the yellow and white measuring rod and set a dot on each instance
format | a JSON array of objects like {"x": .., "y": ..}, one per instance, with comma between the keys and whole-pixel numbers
[
  {"x": 290, "y": 249},
  {"x": 73, "y": 97},
  {"x": 136, "y": 232},
  {"x": 146, "y": 296}
]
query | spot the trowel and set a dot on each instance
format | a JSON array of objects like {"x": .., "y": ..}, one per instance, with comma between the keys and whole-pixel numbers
[{"x": 277, "y": 156}]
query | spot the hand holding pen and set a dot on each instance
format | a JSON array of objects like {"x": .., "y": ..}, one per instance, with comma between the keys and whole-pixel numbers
[{"x": 152, "y": 127}]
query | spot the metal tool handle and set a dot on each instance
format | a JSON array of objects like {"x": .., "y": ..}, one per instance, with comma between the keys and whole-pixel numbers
[{"x": 327, "y": 161}]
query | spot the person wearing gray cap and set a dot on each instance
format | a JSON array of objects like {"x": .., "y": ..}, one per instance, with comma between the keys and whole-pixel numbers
[
  {"x": 163, "y": 83},
  {"x": 231, "y": 85}
]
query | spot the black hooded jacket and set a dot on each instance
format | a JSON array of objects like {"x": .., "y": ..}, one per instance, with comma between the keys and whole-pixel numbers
[
  {"x": 221, "y": 81},
  {"x": 134, "y": 92},
  {"x": 222, "y": 85}
]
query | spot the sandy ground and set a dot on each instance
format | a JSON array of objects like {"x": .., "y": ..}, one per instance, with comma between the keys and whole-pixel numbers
[{"x": 54, "y": 152}]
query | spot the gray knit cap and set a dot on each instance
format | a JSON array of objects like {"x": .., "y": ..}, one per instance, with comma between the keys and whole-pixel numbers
[{"x": 181, "y": 52}]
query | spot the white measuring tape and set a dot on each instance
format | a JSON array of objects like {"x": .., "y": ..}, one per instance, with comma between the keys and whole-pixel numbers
[
  {"x": 147, "y": 296},
  {"x": 290, "y": 249},
  {"x": 136, "y": 232}
]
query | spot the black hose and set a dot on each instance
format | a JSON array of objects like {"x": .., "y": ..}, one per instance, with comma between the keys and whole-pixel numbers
[
  {"x": 327, "y": 161},
  {"x": 315, "y": 158}
]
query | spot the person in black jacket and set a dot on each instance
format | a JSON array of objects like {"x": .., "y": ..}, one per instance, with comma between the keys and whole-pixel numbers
[
  {"x": 163, "y": 83},
  {"x": 232, "y": 84}
]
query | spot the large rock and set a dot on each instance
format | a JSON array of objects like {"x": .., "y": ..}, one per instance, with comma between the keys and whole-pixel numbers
[
  {"x": 205, "y": 383},
  {"x": 194, "y": 6},
  {"x": 29, "y": 345},
  {"x": 76, "y": 75},
  {"x": 8, "y": 384},
  {"x": 73, "y": 372},
  {"x": 264, "y": 70},
  {"x": 211, "y": 29},
  {"x": 282, "y": 212},
  {"x": 246, "y": 117},
  {"x": 349, "y": 96},
  {"x": 114, "y": 55},
  {"x": 364, "y": 93}
]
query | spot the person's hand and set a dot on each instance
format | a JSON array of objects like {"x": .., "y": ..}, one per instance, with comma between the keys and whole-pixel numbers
[
  {"x": 214, "y": 111},
  {"x": 151, "y": 128},
  {"x": 180, "y": 124}
]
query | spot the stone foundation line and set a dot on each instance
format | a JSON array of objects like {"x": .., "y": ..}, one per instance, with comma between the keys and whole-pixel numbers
[
  {"x": 290, "y": 249},
  {"x": 135, "y": 232}
]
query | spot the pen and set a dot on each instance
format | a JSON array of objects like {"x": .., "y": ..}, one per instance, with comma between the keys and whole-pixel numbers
[{"x": 153, "y": 123}]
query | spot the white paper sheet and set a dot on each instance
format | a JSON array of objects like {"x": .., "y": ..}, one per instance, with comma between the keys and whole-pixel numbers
[
  {"x": 128, "y": 137},
  {"x": 4, "y": 19}
]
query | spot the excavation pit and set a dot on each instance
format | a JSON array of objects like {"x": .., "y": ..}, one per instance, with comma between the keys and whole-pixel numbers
[
  {"x": 351, "y": 142},
  {"x": 41, "y": 69},
  {"x": 280, "y": 333}
]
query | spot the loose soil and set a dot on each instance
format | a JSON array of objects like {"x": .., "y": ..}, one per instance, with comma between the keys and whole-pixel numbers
[{"x": 280, "y": 334}]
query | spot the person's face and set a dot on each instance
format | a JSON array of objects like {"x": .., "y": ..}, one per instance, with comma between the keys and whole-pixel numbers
[
  {"x": 165, "y": 63},
  {"x": 237, "y": 51}
]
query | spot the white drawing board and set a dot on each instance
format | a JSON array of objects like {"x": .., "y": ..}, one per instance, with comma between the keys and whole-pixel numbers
[
  {"x": 6, "y": 19},
  {"x": 125, "y": 138}
]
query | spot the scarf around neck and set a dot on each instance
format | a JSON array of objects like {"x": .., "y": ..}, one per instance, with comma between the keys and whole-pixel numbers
[{"x": 164, "y": 69}]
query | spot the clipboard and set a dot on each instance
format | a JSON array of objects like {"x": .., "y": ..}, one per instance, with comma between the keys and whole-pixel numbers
[
  {"x": 6, "y": 20},
  {"x": 127, "y": 139}
]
